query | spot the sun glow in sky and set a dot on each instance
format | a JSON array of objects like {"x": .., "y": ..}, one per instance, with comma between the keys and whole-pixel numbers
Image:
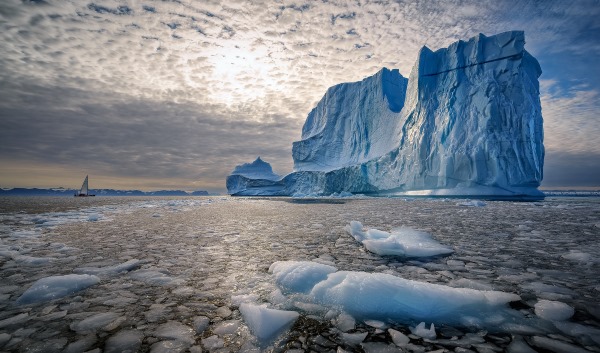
[
  {"x": 243, "y": 74},
  {"x": 174, "y": 94}
]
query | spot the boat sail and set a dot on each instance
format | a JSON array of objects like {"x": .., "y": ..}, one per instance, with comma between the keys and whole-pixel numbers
[{"x": 84, "y": 191}]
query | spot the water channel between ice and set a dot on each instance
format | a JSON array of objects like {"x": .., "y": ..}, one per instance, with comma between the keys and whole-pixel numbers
[{"x": 173, "y": 272}]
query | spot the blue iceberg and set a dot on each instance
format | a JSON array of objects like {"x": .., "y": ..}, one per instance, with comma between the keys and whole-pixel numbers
[{"x": 467, "y": 122}]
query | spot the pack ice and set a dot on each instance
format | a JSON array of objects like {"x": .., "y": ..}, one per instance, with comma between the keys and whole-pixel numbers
[{"x": 467, "y": 122}]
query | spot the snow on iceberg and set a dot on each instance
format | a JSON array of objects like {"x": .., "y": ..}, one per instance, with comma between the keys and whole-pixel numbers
[
  {"x": 55, "y": 287},
  {"x": 482, "y": 135},
  {"x": 402, "y": 241},
  {"x": 385, "y": 297}
]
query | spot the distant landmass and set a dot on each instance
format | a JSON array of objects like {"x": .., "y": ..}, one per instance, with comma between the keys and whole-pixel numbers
[{"x": 97, "y": 192}]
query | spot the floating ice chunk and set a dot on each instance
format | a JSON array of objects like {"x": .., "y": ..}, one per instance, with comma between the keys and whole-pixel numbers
[
  {"x": 105, "y": 321},
  {"x": 223, "y": 312},
  {"x": 24, "y": 260},
  {"x": 93, "y": 217},
  {"x": 169, "y": 347},
  {"x": 421, "y": 331},
  {"x": 213, "y": 342},
  {"x": 173, "y": 330},
  {"x": 201, "y": 323},
  {"x": 299, "y": 276},
  {"x": 4, "y": 338},
  {"x": 472, "y": 203},
  {"x": 402, "y": 241},
  {"x": 345, "y": 322},
  {"x": 237, "y": 300},
  {"x": 353, "y": 339},
  {"x": 469, "y": 283},
  {"x": 83, "y": 344},
  {"x": 518, "y": 345},
  {"x": 376, "y": 324},
  {"x": 379, "y": 347},
  {"x": 578, "y": 256},
  {"x": 399, "y": 338},
  {"x": 124, "y": 341},
  {"x": 587, "y": 334},
  {"x": 154, "y": 277},
  {"x": 124, "y": 267},
  {"x": 556, "y": 346},
  {"x": 266, "y": 324},
  {"x": 386, "y": 297},
  {"x": 226, "y": 327},
  {"x": 54, "y": 287},
  {"x": 14, "y": 320},
  {"x": 553, "y": 310},
  {"x": 545, "y": 289}
]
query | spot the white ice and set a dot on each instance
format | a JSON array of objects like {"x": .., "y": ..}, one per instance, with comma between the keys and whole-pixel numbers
[
  {"x": 266, "y": 324},
  {"x": 299, "y": 276},
  {"x": 553, "y": 310},
  {"x": 422, "y": 331},
  {"x": 124, "y": 267},
  {"x": 386, "y": 297},
  {"x": 173, "y": 330},
  {"x": 402, "y": 241},
  {"x": 53, "y": 287},
  {"x": 157, "y": 277},
  {"x": 102, "y": 321}
]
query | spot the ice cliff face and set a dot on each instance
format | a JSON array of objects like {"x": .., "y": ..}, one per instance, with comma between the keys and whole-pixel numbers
[
  {"x": 351, "y": 124},
  {"x": 470, "y": 124}
]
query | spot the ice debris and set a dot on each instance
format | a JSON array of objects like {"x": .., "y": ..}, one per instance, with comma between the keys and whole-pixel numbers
[
  {"x": 386, "y": 297},
  {"x": 266, "y": 324},
  {"x": 553, "y": 310},
  {"x": 54, "y": 287},
  {"x": 421, "y": 331},
  {"x": 402, "y": 241}
]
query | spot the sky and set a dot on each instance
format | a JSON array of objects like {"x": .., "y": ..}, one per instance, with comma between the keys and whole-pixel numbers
[{"x": 151, "y": 95}]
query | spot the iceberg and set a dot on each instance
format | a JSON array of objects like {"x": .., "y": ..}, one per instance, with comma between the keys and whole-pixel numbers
[
  {"x": 467, "y": 122},
  {"x": 253, "y": 179}
]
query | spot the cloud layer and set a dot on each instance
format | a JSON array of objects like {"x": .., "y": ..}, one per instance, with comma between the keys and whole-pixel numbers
[{"x": 185, "y": 90}]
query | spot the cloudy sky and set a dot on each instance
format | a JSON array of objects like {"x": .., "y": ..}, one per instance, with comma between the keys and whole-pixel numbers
[{"x": 173, "y": 94}]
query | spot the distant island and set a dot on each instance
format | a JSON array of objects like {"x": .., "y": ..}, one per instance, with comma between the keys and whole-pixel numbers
[{"x": 98, "y": 192}]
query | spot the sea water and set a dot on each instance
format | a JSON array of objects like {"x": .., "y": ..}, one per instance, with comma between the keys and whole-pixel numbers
[{"x": 192, "y": 274}]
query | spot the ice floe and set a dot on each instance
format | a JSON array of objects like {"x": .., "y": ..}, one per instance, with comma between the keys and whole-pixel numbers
[
  {"x": 402, "y": 241},
  {"x": 386, "y": 297},
  {"x": 553, "y": 310},
  {"x": 266, "y": 324},
  {"x": 55, "y": 287}
]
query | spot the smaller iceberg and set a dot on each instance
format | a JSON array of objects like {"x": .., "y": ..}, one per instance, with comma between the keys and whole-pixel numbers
[
  {"x": 258, "y": 169},
  {"x": 254, "y": 179}
]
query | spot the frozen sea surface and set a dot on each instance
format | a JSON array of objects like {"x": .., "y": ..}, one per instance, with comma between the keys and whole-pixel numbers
[{"x": 170, "y": 275}]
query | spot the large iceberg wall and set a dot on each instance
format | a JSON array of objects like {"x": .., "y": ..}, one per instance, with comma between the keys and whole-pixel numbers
[
  {"x": 470, "y": 125},
  {"x": 353, "y": 123}
]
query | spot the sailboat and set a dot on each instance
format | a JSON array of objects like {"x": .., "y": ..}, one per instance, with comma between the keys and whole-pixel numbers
[{"x": 84, "y": 192}]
